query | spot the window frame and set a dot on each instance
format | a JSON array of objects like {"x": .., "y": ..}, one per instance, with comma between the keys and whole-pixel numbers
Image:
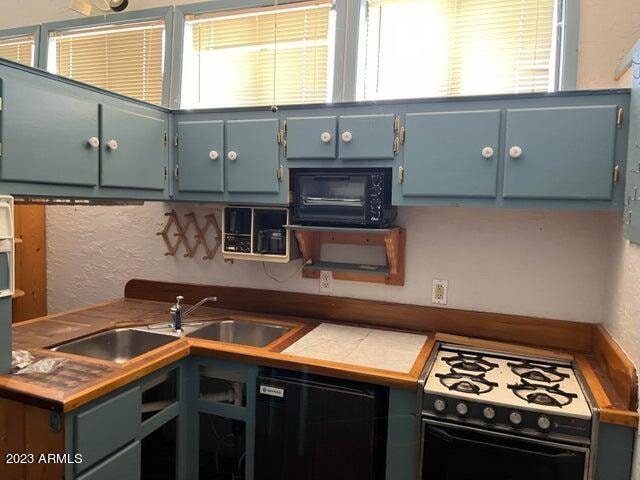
[
  {"x": 215, "y": 6},
  {"x": 21, "y": 32},
  {"x": 566, "y": 67},
  {"x": 161, "y": 13}
]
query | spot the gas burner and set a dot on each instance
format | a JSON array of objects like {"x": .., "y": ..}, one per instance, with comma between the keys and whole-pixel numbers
[
  {"x": 466, "y": 383},
  {"x": 470, "y": 362},
  {"x": 537, "y": 372},
  {"x": 548, "y": 396}
]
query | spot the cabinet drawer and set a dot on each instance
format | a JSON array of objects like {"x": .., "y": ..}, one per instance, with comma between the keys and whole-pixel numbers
[
  {"x": 124, "y": 465},
  {"x": 107, "y": 426}
]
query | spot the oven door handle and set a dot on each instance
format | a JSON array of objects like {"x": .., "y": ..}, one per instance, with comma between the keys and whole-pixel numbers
[
  {"x": 449, "y": 438},
  {"x": 331, "y": 201}
]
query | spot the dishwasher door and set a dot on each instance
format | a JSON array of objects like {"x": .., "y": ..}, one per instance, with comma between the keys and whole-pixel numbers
[{"x": 310, "y": 429}]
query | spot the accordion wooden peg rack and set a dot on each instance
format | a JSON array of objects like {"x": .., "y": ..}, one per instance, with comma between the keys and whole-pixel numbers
[{"x": 176, "y": 234}]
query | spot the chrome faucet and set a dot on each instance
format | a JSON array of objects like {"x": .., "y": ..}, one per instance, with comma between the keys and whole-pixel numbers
[{"x": 177, "y": 315}]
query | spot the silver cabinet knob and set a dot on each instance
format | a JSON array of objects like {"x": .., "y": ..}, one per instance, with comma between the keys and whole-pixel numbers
[
  {"x": 232, "y": 155},
  {"x": 487, "y": 152},
  {"x": 94, "y": 142},
  {"x": 112, "y": 144},
  {"x": 325, "y": 137},
  {"x": 515, "y": 151},
  {"x": 346, "y": 136},
  {"x": 213, "y": 155}
]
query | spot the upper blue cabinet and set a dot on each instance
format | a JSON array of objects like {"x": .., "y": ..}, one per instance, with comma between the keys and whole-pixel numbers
[
  {"x": 451, "y": 154},
  {"x": 367, "y": 137},
  {"x": 560, "y": 152},
  {"x": 311, "y": 138},
  {"x": 200, "y": 156}
]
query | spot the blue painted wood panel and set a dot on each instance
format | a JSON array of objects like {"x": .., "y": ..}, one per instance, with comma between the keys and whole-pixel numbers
[
  {"x": 614, "y": 452},
  {"x": 200, "y": 156},
  {"x": 566, "y": 152},
  {"x": 443, "y": 154},
  {"x": 372, "y": 137},
  {"x": 123, "y": 465},
  {"x": 632, "y": 187},
  {"x": 5, "y": 334},
  {"x": 107, "y": 426},
  {"x": 45, "y": 134},
  {"x": 403, "y": 435},
  {"x": 256, "y": 149},
  {"x": 141, "y": 156},
  {"x": 311, "y": 138}
]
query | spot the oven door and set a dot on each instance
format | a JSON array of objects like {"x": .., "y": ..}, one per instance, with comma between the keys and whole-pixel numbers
[
  {"x": 331, "y": 198},
  {"x": 456, "y": 452}
]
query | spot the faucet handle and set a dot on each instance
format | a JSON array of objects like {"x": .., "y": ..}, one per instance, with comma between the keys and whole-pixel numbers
[{"x": 179, "y": 298}]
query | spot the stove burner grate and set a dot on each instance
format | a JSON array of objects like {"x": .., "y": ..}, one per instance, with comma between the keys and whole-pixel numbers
[
  {"x": 547, "y": 395},
  {"x": 466, "y": 383},
  {"x": 471, "y": 362},
  {"x": 537, "y": 372}
]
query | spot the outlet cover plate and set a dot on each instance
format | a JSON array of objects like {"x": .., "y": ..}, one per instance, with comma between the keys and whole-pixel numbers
[
  {"x": 439, "y": 291},
  {"x": 326, "y": 281}
]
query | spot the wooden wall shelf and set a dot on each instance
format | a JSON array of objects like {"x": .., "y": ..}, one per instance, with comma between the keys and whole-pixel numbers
[{"x": 310, "y": 240}]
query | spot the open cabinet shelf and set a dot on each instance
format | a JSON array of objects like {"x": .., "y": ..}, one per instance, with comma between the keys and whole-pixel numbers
[{"x": 310, "y": 240}]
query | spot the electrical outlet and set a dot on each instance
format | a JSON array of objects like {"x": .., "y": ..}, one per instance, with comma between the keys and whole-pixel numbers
[
  {"x": 439, "y": 291},
  {"x": 326, "y": 281}
]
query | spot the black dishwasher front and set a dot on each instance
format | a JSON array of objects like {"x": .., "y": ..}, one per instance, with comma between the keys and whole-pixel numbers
[{"x": 318, "y": 428}]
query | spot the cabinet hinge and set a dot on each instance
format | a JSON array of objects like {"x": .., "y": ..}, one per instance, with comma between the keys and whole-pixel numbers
[
  {"x": 280, "y": 173},
  {"x": 0, "y": 149},
  {"x": 396, "y": 145},
  {"x": 176, "y": 141},
  {"x": 282, "y": 138},
  {"x": 396, "y": 124},
  {"x": 166, "y": 172},
  {"x": 166, "y": 139},
  {"x": 176, "y": 171},
  {"x": 619, "y": 117},
  {"x": 400, "y": 174},
  {"x": 0, "y": 104},
  {"x": 616, "y": 174}
]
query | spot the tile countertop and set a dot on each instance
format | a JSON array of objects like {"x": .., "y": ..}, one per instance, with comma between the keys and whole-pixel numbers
[{"x": 366, "y": 347}]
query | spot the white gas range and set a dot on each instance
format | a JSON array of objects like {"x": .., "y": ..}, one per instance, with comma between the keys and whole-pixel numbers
[{"x": 510, "y": 416}]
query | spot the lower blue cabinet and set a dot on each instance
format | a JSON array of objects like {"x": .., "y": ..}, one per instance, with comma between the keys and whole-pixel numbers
[{"x": 123, "y": 465}]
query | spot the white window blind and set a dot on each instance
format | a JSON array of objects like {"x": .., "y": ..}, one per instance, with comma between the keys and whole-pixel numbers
[
  {"x": 259, "y": 56},
  {"x": 18, "y": 49},
  {"x": 127, "y": 59},
  {"x": 423, "y": 48}
]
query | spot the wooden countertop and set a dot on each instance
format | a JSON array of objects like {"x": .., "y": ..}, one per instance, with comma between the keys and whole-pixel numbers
[{"x": 83, "y": 379}]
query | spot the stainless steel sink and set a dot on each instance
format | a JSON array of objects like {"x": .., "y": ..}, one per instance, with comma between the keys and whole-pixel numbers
[
  {"x": 119, "y": 345},
  {"x": 243, "y": 332}
]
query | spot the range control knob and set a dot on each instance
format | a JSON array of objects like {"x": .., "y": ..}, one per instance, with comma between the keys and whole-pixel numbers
[
  {"x": 462, "y": 409},
  {"x": 515, "y": 418},
  {"x": 439, "y": 405},
  {"x": 544, "y": 423},
  {"x": 489, "y": 413}
]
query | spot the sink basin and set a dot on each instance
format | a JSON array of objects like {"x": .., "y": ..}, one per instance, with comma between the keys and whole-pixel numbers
[
  {"x": 243, "y": 332},
  {"x": 119, "y": 345}
]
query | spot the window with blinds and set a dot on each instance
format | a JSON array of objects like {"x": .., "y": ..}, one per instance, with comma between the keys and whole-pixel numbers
[
  {"x": 127, "y": 58},
  {"x": 424, "y": 48},
  {"x": 259, "y": 56},
  {"x": 18, "y": 49}
]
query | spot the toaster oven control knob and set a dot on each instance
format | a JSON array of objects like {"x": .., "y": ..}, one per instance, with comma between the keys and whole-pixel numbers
[
  {"x": 346, "y": 136},
  {"x": 439, "y": 405},
  {"x": 544, "y": 423},
  {"x": 325, "y": 137},
  {"x": 515, "y": 418},
  {"x": 232, "y": 155},
  {"x": 213, "y": 155},
  {"x": 462, "y": 409},
  {"x": 489, "y": 413}
]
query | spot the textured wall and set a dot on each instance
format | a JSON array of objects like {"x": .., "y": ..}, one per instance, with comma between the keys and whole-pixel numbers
[{"x": 548, "y": 264}]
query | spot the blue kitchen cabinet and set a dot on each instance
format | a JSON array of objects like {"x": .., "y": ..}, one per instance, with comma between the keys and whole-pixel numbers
[
  {"x": 253, "y": 156},
  {"x": 451, "y": 154},
  {"x": 367, "y": 137},
  {"x": 134, "y": 150},
  {"x": 46, "y": 132},
  {"x": 311, "y": 138},
  {"x": 200, "y": 156},
  {"x": 124, "y": 465},
  {"x": 560, "y": 152}
]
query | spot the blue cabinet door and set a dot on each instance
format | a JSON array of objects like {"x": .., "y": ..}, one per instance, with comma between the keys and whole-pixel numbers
[
  {"x": 200, "y": 154},
  {"x": 252, "y": 158},
  {"x": 311, "y": 138},
  {"x": 452, "y": 154},
  {"x": 366, "y": 137},
  {"x": 139, "y": 157},
  {"x": 46, "y": 130},
  {"x": 560, "y": 153}
]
